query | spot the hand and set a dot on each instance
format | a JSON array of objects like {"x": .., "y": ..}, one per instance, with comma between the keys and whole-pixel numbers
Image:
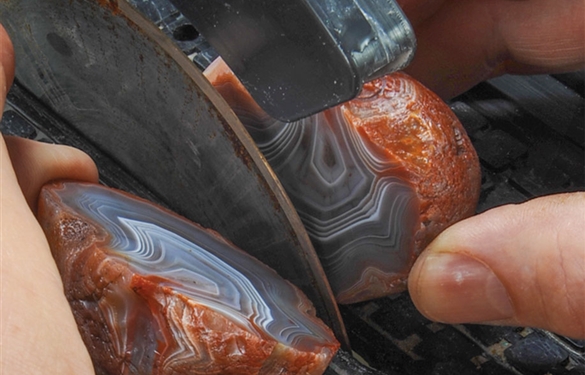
[
  {"x": 519, "y": 264},
  {"x": 514, "y": 265},
  {"x": 463, "y": 42},
  {"x": 38, "y": 332}
]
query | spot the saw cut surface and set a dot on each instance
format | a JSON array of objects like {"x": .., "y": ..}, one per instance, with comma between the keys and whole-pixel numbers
[
  {"x": 374, "y": 180},
  {"x": 155, "y": 294}
]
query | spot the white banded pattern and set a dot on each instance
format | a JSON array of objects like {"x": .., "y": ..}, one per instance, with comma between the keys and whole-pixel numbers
[
  {"x": 374, "y": 179},
  {"x": 360, "y": 215},
  {"x": 194, "y": 270},
  {"x": 358, "y": 209}
]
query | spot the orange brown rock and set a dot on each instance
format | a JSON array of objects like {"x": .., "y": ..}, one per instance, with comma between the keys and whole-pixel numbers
[
  {"x": 154, "y": 294},
  {"x": 374, "y": 180}
]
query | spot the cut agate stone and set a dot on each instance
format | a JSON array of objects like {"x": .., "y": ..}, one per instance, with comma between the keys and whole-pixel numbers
[
  {"x": 155, "y": 294},
  {"x": 374, "y": 180}
]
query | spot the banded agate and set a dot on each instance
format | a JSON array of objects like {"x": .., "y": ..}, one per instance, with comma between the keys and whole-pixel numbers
[
  {"x": 374, "y": 180},
  {"x": 155, "y": 294}
]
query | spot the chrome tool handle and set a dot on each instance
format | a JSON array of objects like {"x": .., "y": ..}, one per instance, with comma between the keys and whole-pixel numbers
[
  {"x": 299, "y": 57},
  {"x": 374, "y": 34}
]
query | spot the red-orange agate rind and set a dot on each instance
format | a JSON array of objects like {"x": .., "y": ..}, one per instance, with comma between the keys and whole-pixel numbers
[
  {"x": 155, "y": 294},
  {"x": 374, "y": 180},
  {"x": 412, "y": 125}
]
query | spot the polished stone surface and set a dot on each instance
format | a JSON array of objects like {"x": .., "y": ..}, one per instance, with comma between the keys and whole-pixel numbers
[{"x": 154, "y": 293}]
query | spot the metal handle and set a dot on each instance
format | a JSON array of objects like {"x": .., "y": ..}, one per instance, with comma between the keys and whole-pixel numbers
[{"x": 299, "y": 57}]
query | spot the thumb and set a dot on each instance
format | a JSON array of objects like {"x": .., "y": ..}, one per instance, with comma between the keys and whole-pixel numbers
[
  {"x": 6, "y": 66},
  {"x": 36, "y": 163},
  {"x": 513, "y": 265}
]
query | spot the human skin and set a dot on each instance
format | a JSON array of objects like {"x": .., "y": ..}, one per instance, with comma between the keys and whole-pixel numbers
[
  {"x": 464, "y": 42},
  {"x": 38, "y": 333},
  {"x": 521, "y": 265},
  {"x": 537, "y": 257},
  {"x": 518, "y": 264}
]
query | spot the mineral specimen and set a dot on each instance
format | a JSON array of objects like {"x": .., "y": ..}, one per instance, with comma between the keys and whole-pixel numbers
[
  {"x": 374, "y": 180},
  {"x": 155, "y": 294}
]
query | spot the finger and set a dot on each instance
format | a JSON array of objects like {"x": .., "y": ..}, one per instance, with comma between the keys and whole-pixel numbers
[
  {"x": 467, "y": 41},
  {"x": 6, "y": 65},
  {"x": 419, "y": 11},
  {"x": 37, "y": 163},
  {"x": 514, "y": 265},
  {"x": 37, "y": 323}
]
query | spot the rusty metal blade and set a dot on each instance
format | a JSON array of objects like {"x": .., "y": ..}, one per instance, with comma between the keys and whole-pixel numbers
[{"x": 117, "y": 79}]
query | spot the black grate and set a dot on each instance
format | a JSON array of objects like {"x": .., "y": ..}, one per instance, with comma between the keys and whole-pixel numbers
[{"x": 529, "y": 134}]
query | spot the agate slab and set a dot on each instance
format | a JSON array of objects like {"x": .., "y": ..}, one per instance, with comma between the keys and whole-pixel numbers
[
  {"x": 374, "y": 180},
  {"x": 164, "y": 124},
  {"x": 155, "y": 294}
]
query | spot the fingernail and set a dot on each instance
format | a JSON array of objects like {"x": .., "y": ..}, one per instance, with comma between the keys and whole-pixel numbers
[{"x": 455, "y": 288}]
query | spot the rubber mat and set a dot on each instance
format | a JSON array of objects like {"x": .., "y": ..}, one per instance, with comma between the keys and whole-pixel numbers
[{"x": 528, "y": 132}]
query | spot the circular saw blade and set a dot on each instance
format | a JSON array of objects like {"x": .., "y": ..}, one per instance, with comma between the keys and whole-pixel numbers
[{"x": 117, "y": 79}]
